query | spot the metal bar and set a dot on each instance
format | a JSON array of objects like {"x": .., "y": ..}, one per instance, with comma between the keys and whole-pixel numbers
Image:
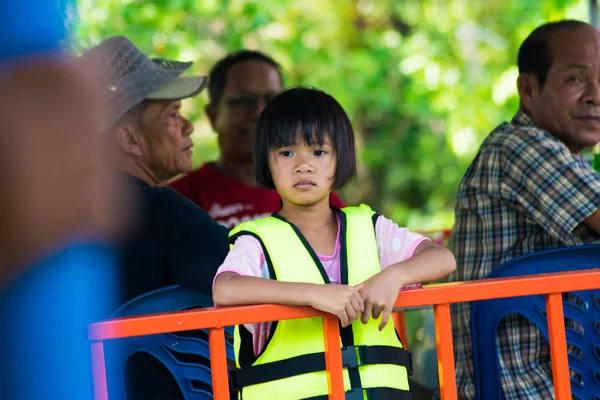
[
  {"x": 333, "y": 358},
  {"x": 445, "y": 352},
  {"x": 202, "y": 318},
  {"x": 429, "y": 295},
  {"x": 99, "y": 371},
  {"x": 218, "y": 363},
  {"x": 594, "y": 13},
  {"x": 459, "y": 292},
  {"x": 558, "y": 346}
]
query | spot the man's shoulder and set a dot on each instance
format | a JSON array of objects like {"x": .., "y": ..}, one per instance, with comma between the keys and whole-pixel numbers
[
  {"x": 167, "y": 198},
  {"x": 171, "y": 210},
  {"x": 508, "y": 144},
  {"x": 510, "y": 137}
]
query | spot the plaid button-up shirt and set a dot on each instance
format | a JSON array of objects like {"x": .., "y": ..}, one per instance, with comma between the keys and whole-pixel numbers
[{"x": 524, "y": 192}]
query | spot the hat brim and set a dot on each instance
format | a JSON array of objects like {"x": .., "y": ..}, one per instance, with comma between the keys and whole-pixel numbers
[{"x": 180, "y": 88}]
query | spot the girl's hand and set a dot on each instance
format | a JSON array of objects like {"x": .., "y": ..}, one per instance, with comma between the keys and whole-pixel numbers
[
  {"x": 379, "y": 294},
  {"x": 341, "y": 300},
  {"x": 428, "y": 263}
]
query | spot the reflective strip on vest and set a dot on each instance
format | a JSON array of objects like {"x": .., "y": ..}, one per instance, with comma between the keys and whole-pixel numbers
[{"x": 291, "y": 259}]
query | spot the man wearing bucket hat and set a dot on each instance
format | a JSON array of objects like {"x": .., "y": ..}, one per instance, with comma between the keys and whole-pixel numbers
[{"x": 174, "y": 241}]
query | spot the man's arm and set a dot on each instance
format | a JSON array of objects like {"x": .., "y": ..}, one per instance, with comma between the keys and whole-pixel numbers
[
  {"x": 593, "y": 221},
  {"x": 196, "y": 244}
]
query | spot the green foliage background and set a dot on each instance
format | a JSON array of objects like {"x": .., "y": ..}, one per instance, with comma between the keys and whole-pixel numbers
[{"x": 424, "y": 81}]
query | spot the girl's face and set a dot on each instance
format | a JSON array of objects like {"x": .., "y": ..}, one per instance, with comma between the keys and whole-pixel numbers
[{"x": 303, "y": 174}]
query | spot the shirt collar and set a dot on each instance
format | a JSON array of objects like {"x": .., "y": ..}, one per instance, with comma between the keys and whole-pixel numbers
[
  {"x": 126, "y": 177},
  {"x": 522, "y": 119}
]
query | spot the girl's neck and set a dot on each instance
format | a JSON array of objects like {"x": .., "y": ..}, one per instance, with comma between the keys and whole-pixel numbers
[
  {"x": 318, "y": 224},
  {"x": 309, "y": 217}
]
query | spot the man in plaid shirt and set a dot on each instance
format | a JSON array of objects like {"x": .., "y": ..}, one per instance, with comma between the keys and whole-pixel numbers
[{"x": 527, "y": 190}]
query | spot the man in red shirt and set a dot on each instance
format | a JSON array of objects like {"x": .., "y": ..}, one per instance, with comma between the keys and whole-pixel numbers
[{"x": 239, "y": 87}]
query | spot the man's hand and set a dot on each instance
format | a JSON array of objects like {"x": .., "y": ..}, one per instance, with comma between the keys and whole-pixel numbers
[{"x": 593, "y": 221}]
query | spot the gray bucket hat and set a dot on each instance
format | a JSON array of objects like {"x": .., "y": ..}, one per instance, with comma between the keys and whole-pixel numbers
[{"x": 126, "y": 77}]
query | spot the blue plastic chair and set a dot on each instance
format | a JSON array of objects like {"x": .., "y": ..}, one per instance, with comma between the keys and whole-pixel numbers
[
  {"x": 582, "y": 308},
  {"x": 187, "y": 357}
]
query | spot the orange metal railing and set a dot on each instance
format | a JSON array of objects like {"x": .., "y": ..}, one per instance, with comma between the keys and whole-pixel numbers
[{"x": 440, "y": 296}]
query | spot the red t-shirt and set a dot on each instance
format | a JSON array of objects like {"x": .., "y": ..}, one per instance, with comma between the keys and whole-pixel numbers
[{"x": 230, "y": 202}]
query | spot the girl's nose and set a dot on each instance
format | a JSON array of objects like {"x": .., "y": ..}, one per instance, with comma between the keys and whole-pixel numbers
[{"x": 304, "y": 165}]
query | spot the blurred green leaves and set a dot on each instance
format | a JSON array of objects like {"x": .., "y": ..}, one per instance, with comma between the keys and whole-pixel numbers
[{"x": 423, "y": 81}]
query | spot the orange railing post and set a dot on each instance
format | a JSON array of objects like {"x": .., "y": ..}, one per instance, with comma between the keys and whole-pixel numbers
[
  {"x": 218, "y": 363},
  {"x": 333, "y": 358},
  {"x": 445, "y": 352},
  {"x": 99, "y": 371},
  {"x": 558, "y": 347}
]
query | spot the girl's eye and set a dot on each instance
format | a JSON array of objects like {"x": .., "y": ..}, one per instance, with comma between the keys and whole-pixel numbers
[
  {"x": 319, "y": 153},
  {"x": 286, "y": 153},
  {"x": 575, "y": 79}
]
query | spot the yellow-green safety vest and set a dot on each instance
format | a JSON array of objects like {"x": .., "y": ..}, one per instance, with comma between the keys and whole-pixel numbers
[{"x": 292, "y": 363}]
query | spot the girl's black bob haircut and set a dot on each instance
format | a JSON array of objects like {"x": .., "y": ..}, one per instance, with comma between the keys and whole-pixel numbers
[{"x": 310, "y": 115}]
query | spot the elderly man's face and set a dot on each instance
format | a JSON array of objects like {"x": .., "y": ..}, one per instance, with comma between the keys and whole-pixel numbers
[
  {"x": 165, "y": 141},
  {"x": 568, "y": 106}
]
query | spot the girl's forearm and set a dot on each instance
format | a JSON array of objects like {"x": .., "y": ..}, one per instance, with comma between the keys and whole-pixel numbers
[
  {"x": 234, "y": 290},
  {"x": 431, "y": 263}
]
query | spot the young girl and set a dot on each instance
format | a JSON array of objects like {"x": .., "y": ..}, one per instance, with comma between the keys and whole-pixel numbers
[{"x": 350, "y": 262}]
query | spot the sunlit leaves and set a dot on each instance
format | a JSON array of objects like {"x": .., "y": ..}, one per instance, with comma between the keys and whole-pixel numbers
[{"x": 424, "y": 81}]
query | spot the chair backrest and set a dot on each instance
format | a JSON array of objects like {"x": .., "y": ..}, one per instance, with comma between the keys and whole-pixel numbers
[
  {"x": 185, "y": 354},
  {"x": 582, "y": 317}
]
